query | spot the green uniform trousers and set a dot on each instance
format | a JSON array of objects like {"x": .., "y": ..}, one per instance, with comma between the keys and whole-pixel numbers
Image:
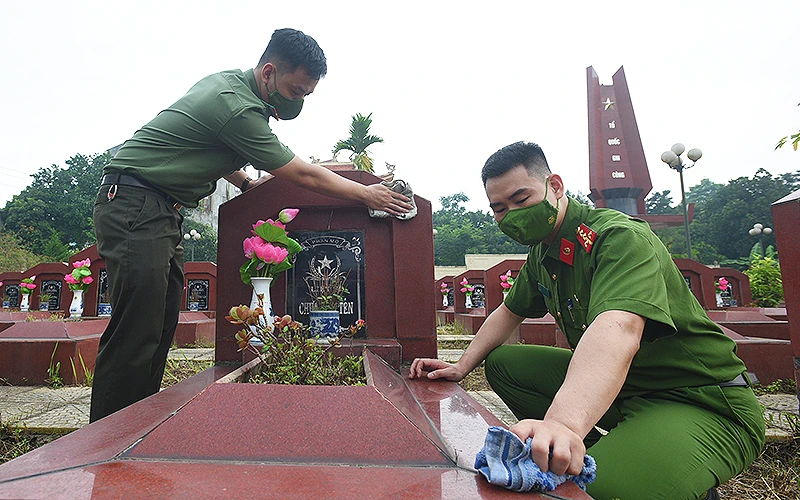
[
  {"x": 668, "y": 445},
  {"x": 139, "y": 236}
]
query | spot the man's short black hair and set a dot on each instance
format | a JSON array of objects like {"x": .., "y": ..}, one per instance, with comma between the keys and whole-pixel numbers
[
  {"x": 526, "y": 154},
  {"x": 290, "y": 49}
]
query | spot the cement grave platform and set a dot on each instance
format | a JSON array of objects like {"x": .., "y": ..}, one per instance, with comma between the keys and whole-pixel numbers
[{"x": 208, "y": 437}]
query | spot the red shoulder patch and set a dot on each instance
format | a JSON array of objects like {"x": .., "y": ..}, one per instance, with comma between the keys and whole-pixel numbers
[
  {"x": 567, "y": 252},
  {"x": 586, "y": 237}
]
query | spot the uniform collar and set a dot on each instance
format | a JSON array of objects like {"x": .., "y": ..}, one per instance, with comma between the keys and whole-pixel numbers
[{"x": 575, "y": 215}]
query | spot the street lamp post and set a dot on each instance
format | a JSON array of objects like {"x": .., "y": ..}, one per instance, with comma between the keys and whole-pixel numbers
[
  {"x": 192, "y": 235},
  {"x": 675, "y": 162},
  {"x": 759, "y": 230}
]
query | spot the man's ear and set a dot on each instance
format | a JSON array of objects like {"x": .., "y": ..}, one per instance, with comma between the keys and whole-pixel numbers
[{"x": 557, "y": 185}]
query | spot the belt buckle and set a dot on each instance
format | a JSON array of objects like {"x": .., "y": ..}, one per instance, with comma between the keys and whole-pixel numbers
[{"x": 177, "y": 206}]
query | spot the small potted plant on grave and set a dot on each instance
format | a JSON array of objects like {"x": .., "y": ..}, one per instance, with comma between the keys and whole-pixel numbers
[
  {"x": 44, "y": 302},
  {"x": 289, "y": 356},
  {"x": 194, "y": 301},
  {"x": 327, "y": 286}
]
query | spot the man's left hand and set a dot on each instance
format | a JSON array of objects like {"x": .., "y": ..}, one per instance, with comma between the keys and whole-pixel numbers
[
  {"x": 380, "y": 197},
  {"x": 567, "y": 447}
]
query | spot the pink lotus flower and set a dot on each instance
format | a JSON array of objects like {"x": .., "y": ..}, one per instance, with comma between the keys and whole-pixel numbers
[
  {"x": 464, "y": 281},
  {"x": 82, "y": 263},
  {"x": 88, "y": 280},
  {"x": 69, "y": 279},
  {"x": 29, "y": 286},
  {"x": 249, "y": 245},
  {"x": 268, "y": 221},
  {"x": 271, "y": 254},
  {"x": 463, "y": 290},
  {"x": 722, "y": 285},
  {"x": 288, "y": 214}
]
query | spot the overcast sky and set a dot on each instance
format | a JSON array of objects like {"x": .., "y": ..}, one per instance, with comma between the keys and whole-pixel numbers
[{"x": 447, "y": 83}]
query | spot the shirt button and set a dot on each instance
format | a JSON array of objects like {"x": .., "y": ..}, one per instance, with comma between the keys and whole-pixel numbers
[{"x": 554, "y": 277}]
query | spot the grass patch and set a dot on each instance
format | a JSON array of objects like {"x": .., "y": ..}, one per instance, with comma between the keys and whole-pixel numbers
[
  {"x": 782, "y": 386},
  {"x": 453, "y": 344},
  {"x": 180, "y": 369},
  {"x": 451, "y": 329},
  {"x": 16, "y": 441},
  {"x": 774, "y": 475},
  {"x": 475, "y": 380}
]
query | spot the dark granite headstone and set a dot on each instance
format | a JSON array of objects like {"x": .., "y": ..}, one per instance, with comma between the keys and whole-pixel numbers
[
  {"x": 339, "y": 252},
  {"x": 53, "y": 288},
  {"x": 688, "y": 281},
  {"x": 12, "y": 291},
  {"x": 479, "y": 296},
  {"x": 198, "y": 289}
]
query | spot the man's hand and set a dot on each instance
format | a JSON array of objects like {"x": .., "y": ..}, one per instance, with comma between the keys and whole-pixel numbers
[
  {"x": 380, "y": 197},
  {"x": 436, "y": 369},
  {"x": 567, "y": 447},
  {"x": 258, "y": 181}
]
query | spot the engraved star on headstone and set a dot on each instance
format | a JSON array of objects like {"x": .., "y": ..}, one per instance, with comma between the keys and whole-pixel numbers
[
  {"x": 608, "y": 103},
  {"x": 325, "y": 262}
]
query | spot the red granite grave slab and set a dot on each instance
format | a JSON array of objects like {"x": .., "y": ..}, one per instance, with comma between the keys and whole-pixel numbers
[
  {"x": 105, "y": 439},
  {"x": 194, "y": 328},
  {"x": 29, "y": 349},
  {"x": 284, "y": 423},
  {"x": 769, "y": 359},
  {"x": 471, "y": 320},
  {"x": 186, "y": 480}
]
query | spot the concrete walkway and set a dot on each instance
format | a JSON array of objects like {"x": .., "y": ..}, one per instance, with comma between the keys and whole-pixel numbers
[{"x": 42, "y": 409}]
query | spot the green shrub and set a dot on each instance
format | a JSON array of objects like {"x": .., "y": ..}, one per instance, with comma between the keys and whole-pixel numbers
[{"x": 766, "y": 285}]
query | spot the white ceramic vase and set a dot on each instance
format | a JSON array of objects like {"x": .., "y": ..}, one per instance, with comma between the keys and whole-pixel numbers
[
  {"x": 23, "y": 306},
  {"x": 76, "y": 306},
  {"x": 505, "y": 294},
  {"x": 261, "y": 286},
  {"x": 444, "y": 300},
  {"x": 468, "y": 302}
]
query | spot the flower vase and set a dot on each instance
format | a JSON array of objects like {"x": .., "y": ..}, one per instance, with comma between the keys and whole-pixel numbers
[
  {"x": 76, "y": 306},
  {"x": 261, "y": 286},
  {"x": 719, "y": 299},
  {"x": 468, "y": 302},
  {"x": 325, "y": 325},
  {"x": 444, "y": 301},
  {"x": 505, "y": 295},
  {"x": 23, "y": 306}
]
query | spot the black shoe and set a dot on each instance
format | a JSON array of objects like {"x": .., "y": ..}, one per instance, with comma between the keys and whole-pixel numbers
[{"x": 712, "y": 494}]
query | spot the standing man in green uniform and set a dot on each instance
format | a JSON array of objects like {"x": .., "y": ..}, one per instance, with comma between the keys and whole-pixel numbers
[
  {"x": 646, "y": 364},
  {"x": 213, "y": 131}
]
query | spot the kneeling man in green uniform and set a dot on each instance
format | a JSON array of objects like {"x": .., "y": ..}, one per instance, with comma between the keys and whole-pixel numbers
[{"x": 646, "y": 365}]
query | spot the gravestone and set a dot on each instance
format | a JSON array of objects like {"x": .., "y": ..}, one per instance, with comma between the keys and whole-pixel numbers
[
  {"x": 201, "y": 285},
  {"x": 395, "y": 298},
  {"x": 47, "y": 274},
  {"x": 339, "y": 253},
  {"x": 98, "y": 289},
  {"x": 54, "y": 289}
]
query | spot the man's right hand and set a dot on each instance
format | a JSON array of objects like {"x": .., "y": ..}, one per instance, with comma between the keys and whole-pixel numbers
[{"x": 435, "y": 369}]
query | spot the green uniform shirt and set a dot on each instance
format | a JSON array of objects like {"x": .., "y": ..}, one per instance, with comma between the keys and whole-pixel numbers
[
  {"x": 216, "y": 128},
  {"x": 626, "y": 268}
]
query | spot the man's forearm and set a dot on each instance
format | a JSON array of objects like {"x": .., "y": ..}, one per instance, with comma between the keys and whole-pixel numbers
[
  {"x": 321, "y": 180},
  {"x": 237, "y": 178},
  {"x": 597, "y": 371},
  {"x": 497, "y": 328}
]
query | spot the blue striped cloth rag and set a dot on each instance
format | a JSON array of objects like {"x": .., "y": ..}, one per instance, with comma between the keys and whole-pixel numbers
[{"x": 506, "y": 461}]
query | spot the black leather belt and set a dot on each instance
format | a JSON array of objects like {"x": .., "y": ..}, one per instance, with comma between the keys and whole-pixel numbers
[
  {"x": 740, "y": 381},
  {"x": 131, "y": 180}
]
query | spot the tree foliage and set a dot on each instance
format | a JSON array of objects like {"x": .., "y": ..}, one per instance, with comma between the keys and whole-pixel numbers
[
  {"x": 460, "y": 232},
  {"x": 53, "y": 216},
  {"x": 766, "y": 284},
  {"x": 13, "y": 257},
  {"x": 205, "y": 249},
  {"x": 360, "y": 139}
]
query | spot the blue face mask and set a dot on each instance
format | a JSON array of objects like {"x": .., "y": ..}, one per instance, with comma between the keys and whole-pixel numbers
[{"x": 531, "y": 225}]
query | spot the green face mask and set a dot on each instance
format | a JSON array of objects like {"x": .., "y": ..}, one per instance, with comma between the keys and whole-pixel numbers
[
  {"x": 282, "y": 107},
  {"x": 531, "y": 225}
]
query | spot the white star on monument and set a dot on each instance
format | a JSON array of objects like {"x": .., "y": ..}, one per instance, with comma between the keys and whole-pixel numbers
[
  {"x": 609, "y": 104},
  {"x": 325, "y": 262}
]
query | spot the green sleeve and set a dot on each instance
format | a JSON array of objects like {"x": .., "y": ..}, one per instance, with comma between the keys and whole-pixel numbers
[
  {"x": 627, "y": 275},
  {"x": 524, "y": 298},
  {"x": 249, "y": 134}
]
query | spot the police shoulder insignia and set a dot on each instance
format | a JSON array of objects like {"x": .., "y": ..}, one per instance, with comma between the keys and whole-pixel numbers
[
  {"x": 586, "y": 237},
  {"x": 567, "y": 252}
]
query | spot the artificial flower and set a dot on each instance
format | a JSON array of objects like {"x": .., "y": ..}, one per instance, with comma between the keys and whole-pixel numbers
[{"x": 288, "y": 214}]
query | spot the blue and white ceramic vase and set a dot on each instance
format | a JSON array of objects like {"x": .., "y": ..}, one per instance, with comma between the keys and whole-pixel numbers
[
  {"x": 76, "y": 307},
  {"x": 325, "y": 325},
  {"x": 261, "y": 286}
]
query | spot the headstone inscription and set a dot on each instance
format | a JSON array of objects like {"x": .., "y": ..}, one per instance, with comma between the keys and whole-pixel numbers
[
  {"x": 12, "y": 292},
  {"x": 53, "y": 289},
  {"x": 479, "y": 296},
  {"x": 328, "y": 254},
  {"x": 197, "y": 292}
]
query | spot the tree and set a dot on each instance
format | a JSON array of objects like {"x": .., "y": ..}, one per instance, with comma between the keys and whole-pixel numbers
[
  {"x": 660, "y": 203},
  {"x": 13, "y": 257},
  {"x": 795, "y": 138},
  {"x": 460, "y": 232},
  {"x": 358, "y": 142},
  {"x": 58, "y": 202},
  {"x": 205, "y": 249}
]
